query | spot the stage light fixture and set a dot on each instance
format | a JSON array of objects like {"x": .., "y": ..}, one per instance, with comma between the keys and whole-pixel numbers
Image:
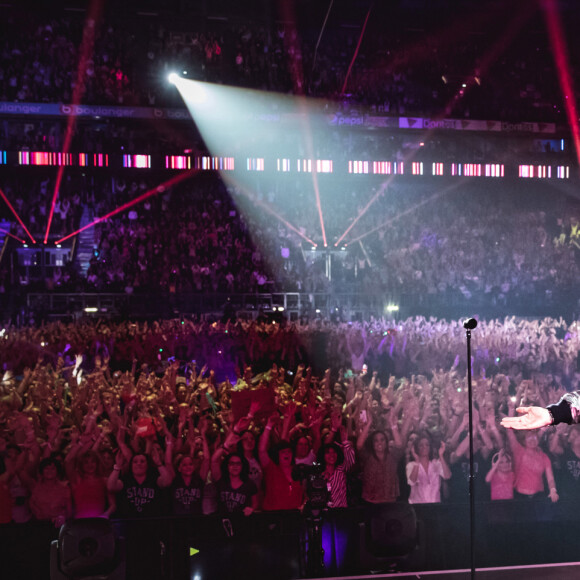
[
  {"x": 173, "y": 78},
  {"x": 87, "y": 549}
]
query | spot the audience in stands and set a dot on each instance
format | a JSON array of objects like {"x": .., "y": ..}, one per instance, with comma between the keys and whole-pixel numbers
[
  {"x": 120, "y": 60},
  {"x": 416, "y": 248}
]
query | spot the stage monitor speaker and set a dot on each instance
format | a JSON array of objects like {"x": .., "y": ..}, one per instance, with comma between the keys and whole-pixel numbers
[
  {"x": 390, "y": 537},
  {"x": 392, "y": 530}
]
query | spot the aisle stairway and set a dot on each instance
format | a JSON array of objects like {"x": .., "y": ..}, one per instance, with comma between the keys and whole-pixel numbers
[
  {"x": 85, "y": 242},
  {"x": 4, "y": 227}
]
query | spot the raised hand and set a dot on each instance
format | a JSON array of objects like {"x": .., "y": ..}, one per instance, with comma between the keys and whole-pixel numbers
[
  {"x": 272, "y": 420},
  {"x": 244, "y": 422},
  {"x": 120, "y": 460},
  {"x": 156, "y": 457},
  {"x": 414, "y": 454},
  {"x": 530, "y": 418},
  {"x": 254, "y": 408},
  {"x": 335, "y": 421}
]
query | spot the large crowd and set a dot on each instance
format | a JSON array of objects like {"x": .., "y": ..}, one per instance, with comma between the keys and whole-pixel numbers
[
  {"x": 192, "y": 416},
  {"x": 189, "y": 417}
]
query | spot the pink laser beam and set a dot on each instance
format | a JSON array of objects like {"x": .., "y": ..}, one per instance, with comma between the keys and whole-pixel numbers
[
  {"x": 2, "y": 194},
  {"x": 87, "y": 47},
  {"x": 154, "y": 191},
  {"x": 411, "y": 209},
  {"x": 556, "y": 33},
  {"x": 356, "y": 51},
  {"x": 12, "y": 235}
]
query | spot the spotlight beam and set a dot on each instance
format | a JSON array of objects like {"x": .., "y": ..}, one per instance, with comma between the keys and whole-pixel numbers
[
  {"x": 3, "y": 196},
  {"x": 434, "y": 197},
  {"x": 556, "y": 34},
  {"x": 202, "y": 100},
  {"x": 86, "y": 49},
  {"x": 252, "y": 197},
  {"x": 154, "y": 191},
  {"x": 12, "y": 235}
]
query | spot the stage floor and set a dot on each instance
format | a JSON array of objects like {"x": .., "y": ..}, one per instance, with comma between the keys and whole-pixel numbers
[{"x": 564, "y": 571}]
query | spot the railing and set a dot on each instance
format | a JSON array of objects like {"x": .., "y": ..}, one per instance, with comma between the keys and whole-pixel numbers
[
  {"x": 292, "y": 304},
  {"x": 344, "y": 306},
  {"x": 290, "y": 545}
]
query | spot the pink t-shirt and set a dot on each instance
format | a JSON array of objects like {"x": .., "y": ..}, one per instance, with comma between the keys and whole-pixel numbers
[
  {"x": 502, "y": 485},
  {"x": 530, "y": 466}
]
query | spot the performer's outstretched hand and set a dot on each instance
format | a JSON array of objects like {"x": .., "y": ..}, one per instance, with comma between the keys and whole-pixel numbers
[{"x": 530, "y": 418}]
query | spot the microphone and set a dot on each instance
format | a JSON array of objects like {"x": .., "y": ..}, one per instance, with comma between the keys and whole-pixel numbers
[{"x": 469, "y": 323}]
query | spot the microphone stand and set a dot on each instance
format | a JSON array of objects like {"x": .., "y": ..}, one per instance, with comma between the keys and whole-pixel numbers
[{"x": 469, "y": 325}]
